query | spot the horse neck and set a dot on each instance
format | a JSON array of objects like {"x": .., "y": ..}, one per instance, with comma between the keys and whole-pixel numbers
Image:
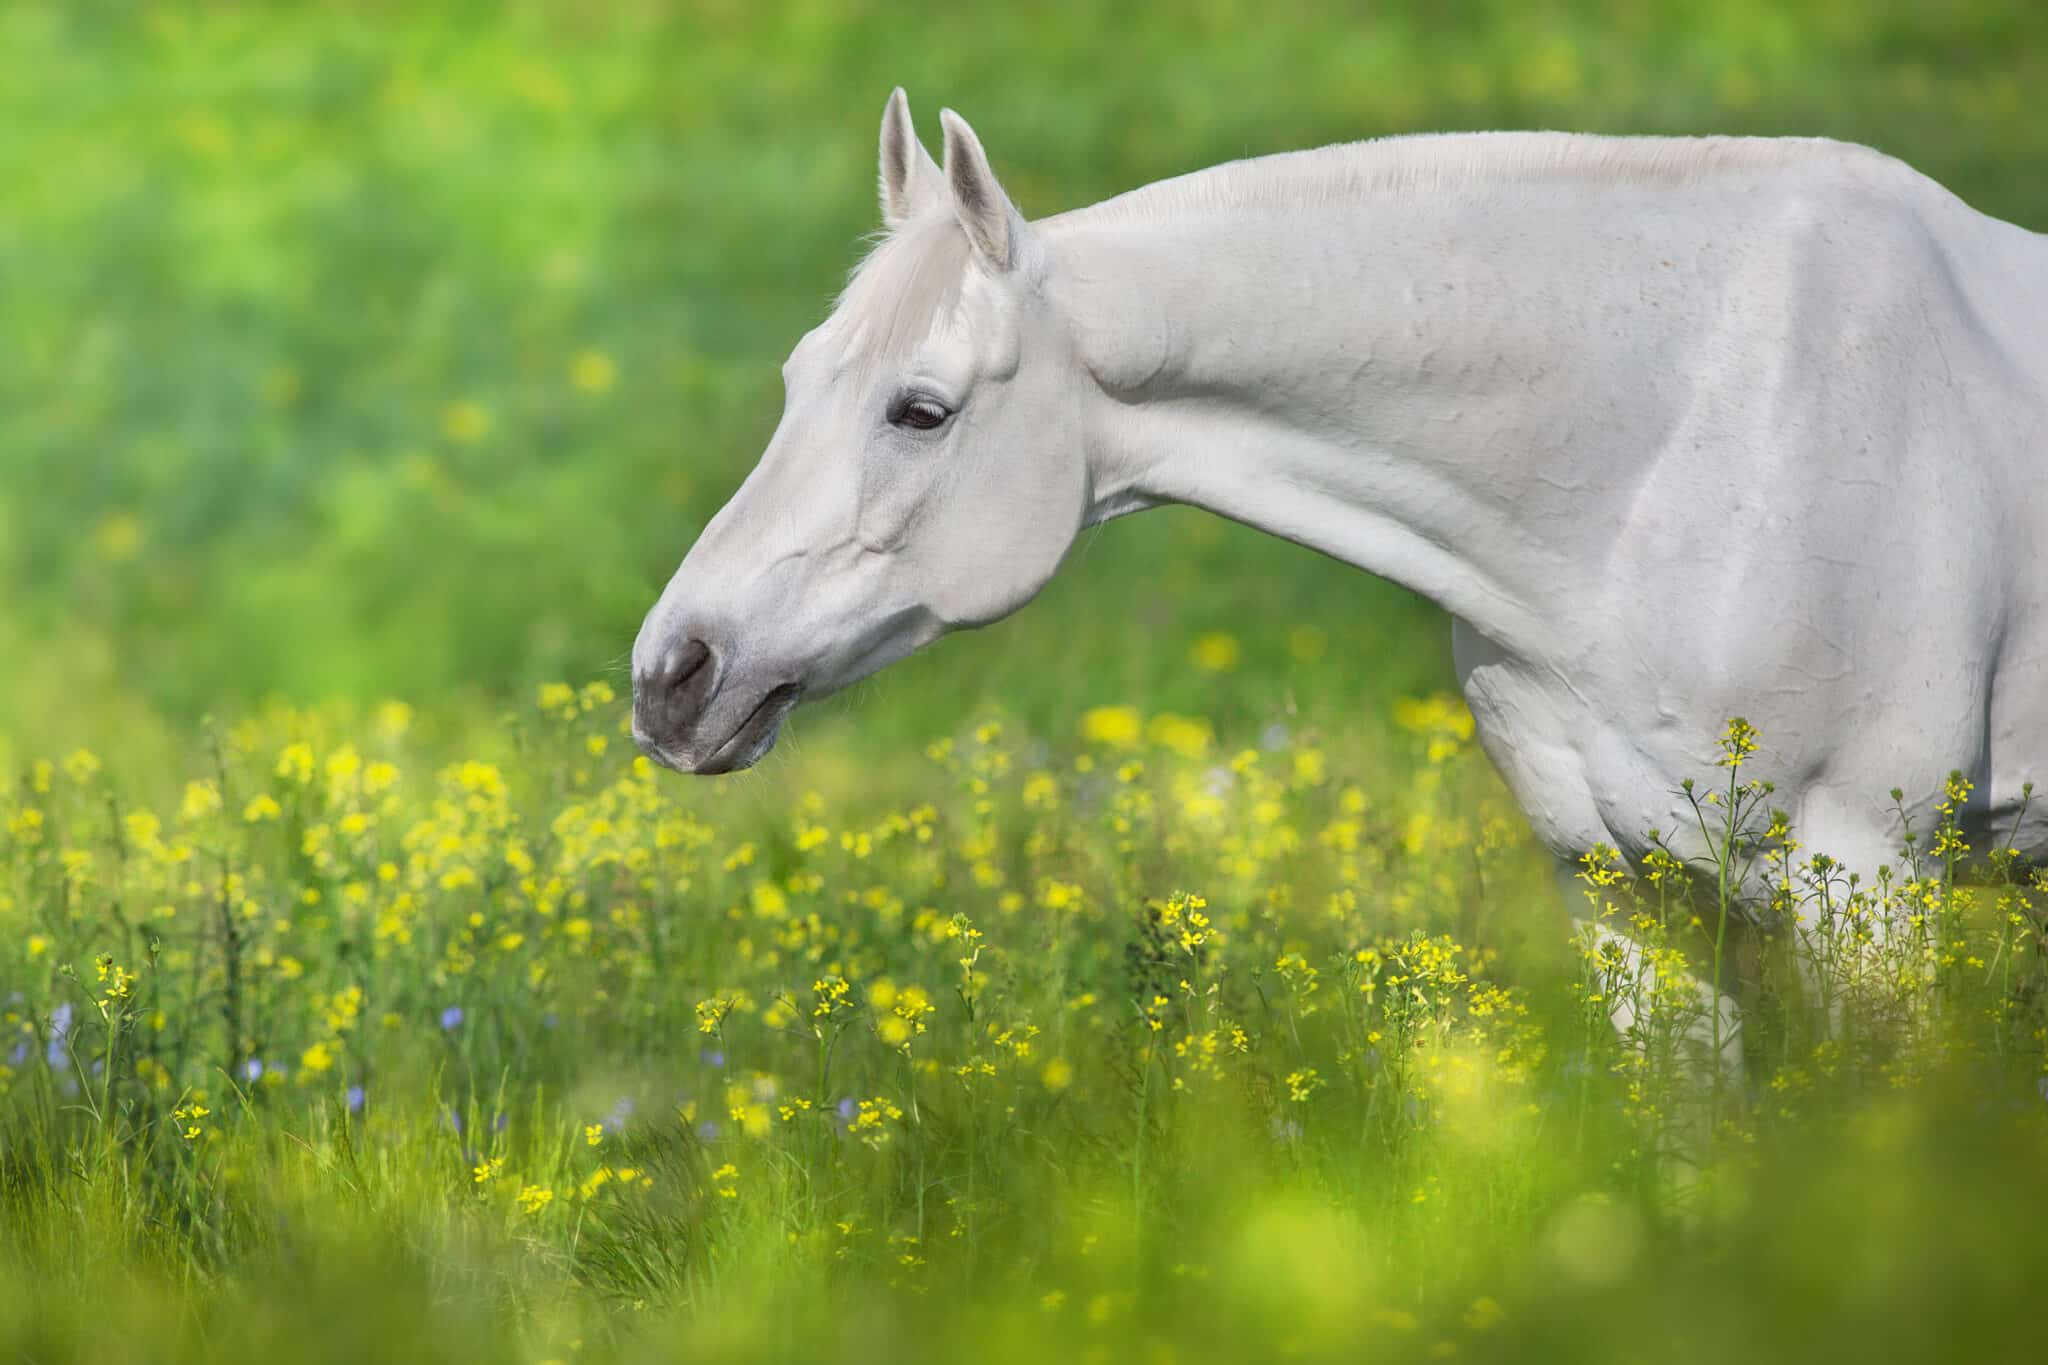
[{"x": 1431, "y": 388}]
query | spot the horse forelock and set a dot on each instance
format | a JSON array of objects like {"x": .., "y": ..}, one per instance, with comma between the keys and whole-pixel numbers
[{"x": 904, "y": 289}]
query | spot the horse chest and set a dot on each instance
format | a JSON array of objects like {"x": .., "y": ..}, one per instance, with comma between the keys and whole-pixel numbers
[{"x": 1579, "y": 778}]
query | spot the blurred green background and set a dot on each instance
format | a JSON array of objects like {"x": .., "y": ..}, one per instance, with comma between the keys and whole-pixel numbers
[
  {"x": 375, "y": 350},
  {"x": 362, "y": 350}
]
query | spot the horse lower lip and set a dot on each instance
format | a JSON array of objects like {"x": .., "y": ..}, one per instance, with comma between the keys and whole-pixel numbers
[{"x": 767, "y": 713}]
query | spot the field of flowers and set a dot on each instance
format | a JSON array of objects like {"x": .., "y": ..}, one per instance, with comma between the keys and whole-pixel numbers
[
  {"x": 1159, "y": 976},
  {"x": 1120, "y": 1043}
]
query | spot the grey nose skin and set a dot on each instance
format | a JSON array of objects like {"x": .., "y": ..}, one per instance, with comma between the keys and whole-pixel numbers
[{"x": 669, "y": 699}]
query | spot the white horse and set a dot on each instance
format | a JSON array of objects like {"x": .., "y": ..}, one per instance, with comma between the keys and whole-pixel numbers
[{"x": 1674, "y": 429}]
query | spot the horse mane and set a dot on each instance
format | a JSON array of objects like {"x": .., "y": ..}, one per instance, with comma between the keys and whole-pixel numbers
[{"x": 1447, "y": 161}]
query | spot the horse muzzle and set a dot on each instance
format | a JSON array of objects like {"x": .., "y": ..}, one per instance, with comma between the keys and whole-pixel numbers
[{"x": 693, "y": 714}]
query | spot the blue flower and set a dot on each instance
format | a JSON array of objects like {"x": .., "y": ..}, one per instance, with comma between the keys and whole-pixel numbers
[
  {"x": 451, "y": 1017},
  {"x": 57, "y": 1055},
  {"x": 252, "y": 1070},
  {"x": 356, "y": 1099},
  {"x": 711, "y": 1056}
]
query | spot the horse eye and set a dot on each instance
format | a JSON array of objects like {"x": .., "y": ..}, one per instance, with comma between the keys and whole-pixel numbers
[{"x": 920, "y": 414}]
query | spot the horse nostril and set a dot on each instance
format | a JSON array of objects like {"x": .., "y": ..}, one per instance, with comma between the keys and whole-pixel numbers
[
  {"x": 672, "y": 695},
  {"x": 681, "y": 662}
]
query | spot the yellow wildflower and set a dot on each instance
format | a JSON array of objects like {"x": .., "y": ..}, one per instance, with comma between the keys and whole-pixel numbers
[{"x": 1116, "y": 726}]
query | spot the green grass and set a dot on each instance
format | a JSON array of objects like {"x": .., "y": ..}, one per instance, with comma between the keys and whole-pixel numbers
[{"x": 358, "y": 353}]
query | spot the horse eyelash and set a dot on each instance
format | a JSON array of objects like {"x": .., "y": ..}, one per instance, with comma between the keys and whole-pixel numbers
[{"x": 900, "y": 406}]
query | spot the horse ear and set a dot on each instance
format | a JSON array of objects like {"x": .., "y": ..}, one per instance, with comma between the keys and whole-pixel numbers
[
  {"x": 910, "y": 178},
  {"x": 992, "y": 222}
]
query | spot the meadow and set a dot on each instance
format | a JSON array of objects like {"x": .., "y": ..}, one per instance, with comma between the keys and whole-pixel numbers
[{"x": 1160, "y": 975}]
